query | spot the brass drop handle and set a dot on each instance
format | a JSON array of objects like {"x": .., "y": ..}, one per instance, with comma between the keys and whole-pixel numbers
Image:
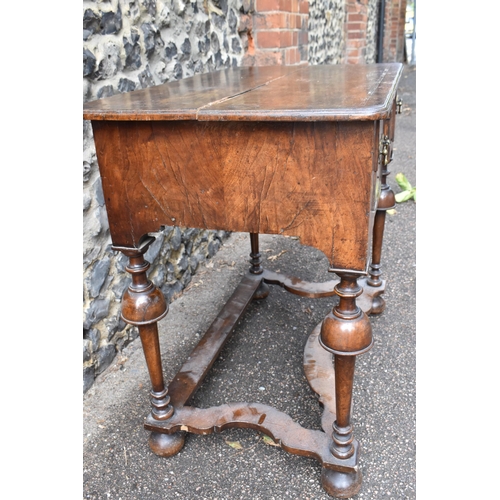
[
  {"x": 385, "y": 150},
  {"x": 399, "y": 104}
]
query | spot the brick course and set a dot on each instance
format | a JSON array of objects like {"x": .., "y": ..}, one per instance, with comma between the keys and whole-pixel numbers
[
  {"x": 279, "y": 32},
  {"x": 362, "y": 27}
]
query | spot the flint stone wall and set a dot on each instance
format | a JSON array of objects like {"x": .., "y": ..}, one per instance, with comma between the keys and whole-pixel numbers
[
  {"x": 128, "y": 45},
  {"x": 326, "y": 31},
  {"x": 372, "y": 31}
]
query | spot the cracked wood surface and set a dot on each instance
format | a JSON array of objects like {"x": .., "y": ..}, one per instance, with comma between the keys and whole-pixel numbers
[{"x": 308, "y": 93}]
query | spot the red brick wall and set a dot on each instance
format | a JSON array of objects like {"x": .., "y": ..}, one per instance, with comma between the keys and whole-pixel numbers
[
  {"x": 278, "y": 32},
  {"x": 355, "y": 31},
  {"x": 356, "y": 22},
  {"x": 394, "y": 37}
]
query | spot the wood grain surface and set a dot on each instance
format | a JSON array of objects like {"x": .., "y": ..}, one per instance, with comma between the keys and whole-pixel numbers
[
  {"x": 268, "y": 93},
  {"x": 314, "y": 180},
  {"x": 276, "y": 150}
]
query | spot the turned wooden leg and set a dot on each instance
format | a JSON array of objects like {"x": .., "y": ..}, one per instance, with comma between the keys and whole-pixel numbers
[
  {"x": 345, "y": 332},
  {"x": 256, "y": 267},
  {"x": 386, "y": 201},
  {"x": 144, "y": 305}
]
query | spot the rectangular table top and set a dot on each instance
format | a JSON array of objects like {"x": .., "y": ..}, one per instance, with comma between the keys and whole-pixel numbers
[{"x": 266, "y": 93}]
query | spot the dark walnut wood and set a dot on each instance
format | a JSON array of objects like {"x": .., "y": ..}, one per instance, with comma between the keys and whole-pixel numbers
[
  {"x": 272, "y": 177},
  {"x": 386, "y": 202},
  {"x": 144, "y": 305},
  {"x": 274, "y": 93},
  {"x": 277, "y": 150},
  {"x": 295, "y": 171},
  {"x": 345, "y": 332}
]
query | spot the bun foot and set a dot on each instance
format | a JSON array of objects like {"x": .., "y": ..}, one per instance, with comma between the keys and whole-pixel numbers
[
  {"x": 378, "y": 305},
  {"x": 341, "y": 484},
  {"x": 262, "y": 292},
  {"x": 166, "y": 445}
]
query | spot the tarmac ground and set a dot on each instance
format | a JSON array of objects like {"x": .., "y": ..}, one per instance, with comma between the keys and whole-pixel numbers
[{"x": 263, "y": 362}]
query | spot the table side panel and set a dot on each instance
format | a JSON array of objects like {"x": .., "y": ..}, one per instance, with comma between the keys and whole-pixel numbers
[{"x": 314, "y": 180}]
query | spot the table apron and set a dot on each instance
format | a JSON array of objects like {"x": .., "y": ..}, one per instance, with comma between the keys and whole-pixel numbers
[{"x": 314, "y": 180}]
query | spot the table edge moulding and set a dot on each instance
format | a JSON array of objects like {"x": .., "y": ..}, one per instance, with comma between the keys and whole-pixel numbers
[{"x": 299, "y": 151}]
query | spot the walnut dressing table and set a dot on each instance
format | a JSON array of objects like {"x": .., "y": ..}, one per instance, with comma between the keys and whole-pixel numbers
[{"x": 299, "y": 151}]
